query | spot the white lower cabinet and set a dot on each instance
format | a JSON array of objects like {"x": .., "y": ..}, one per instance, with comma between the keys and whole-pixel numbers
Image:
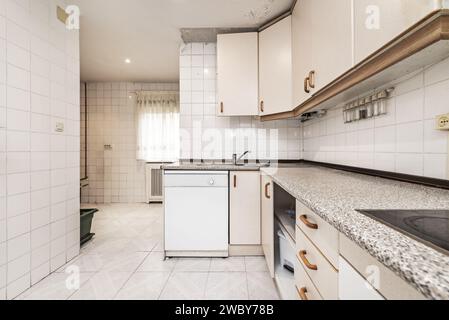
[
  {"x": 352, "y": 286},
  {"x": 267, "y": 208},
  {"x": 304, "y": 286},
  {"x": 244, "y": 197},
  {"x": 317, "y": 267},
  {"x": 356, "y": 263}
]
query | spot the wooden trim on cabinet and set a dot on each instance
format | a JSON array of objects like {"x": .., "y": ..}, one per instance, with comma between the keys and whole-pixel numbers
[
  {"x": 302, "y": 293},
  {"x": 428, "y": 31},
  {"x": 266, "y": 190},
  {"x": 306, "y": 85},
  {"x": 306, "y": 222},
  {"x": 303, "y": 257},
  {"x": 312, "y": 79}
]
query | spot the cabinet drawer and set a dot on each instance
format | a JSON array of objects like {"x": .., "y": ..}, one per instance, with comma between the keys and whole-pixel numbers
[
  {"x": 303, "y": 282},
  {"x": 322, "y": 234},
  {"x": 390, "y": 285},
  {"x": 320, "y": 271}
]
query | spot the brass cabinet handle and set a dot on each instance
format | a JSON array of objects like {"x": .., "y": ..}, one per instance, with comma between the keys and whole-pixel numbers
[
  {"x": 309, "y": 224},
  {"x": 262, "y": 108},
  {"x": 266, "y": 191},
  {"x": 221, "y": 107},
  {"x": 235, "y": 181},
  {"x": 306, "y": 85},
  {"x": 312, "y": 79},
  {"x": 302, "y": 255},
  {"x": 302, "y": 293}
]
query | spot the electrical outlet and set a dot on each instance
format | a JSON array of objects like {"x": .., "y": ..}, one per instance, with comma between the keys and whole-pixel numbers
[
  {"x": 443, "y": 122},
  {"x": 59, "y": 127}
]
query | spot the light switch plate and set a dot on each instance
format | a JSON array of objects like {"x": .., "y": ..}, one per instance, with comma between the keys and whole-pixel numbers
[{"x": 443, "y": 122}]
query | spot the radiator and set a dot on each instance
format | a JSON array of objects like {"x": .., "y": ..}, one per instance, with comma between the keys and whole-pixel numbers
[{"x": 154, "y": 182}]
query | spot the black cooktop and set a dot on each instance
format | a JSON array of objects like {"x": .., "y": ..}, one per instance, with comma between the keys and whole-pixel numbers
[{"x": 428, "y": 226}]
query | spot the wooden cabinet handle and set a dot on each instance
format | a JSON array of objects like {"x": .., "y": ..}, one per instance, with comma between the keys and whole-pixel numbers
[
  {"x": 306, "y": 85},
  {"x": 221, "y": 107},
  {"x": 309, "y": 224},
  {"x": 262, "y": 108},
  {"x": 302, "y": 255},
  {"x": 303, "y": 293},
  {"x": 235, "y": 181},
  {"x": 266, "y": 191},
  {"x": 312, "y": 79}
]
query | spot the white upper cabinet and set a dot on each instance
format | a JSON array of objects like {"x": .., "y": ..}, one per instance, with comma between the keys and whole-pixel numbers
[
  {"x": 302, "y": 57},
  {"x": 322, "y": 45},
  {"x": 275, "y": 68},
  {"x": 379, "y": 21},
  {"x": 237, "y": 63}
]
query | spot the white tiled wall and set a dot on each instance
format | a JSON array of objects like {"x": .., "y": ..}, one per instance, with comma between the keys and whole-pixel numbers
[
  {"x": 403, "y": 141},
  {"x": 115, "y": 176},
  {"x": 39, "y": 168},
  {"x": 207, "y": 136}
]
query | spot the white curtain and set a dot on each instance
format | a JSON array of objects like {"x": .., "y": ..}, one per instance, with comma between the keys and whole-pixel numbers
[{"x": 158, "y": 126}]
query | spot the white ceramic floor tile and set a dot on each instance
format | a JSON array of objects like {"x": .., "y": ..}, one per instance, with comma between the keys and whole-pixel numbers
[
  {"x": 107, "y": 245},
  {"x": 261, "y": 286},
  {"x": 256, "y": 264},
  {"x": 193, "y": 265},
  {"x": 155, "y": 262},
  {"x": 125, "y": 261},
  {"x": 144, "y": 286},
  {"x": 58, "y": 286},
  {"x": 102, "y": 286},
  {"x": 231, "y": 264},
  {"x": 85, "y": 263},
  {"x": 142, "y": 244},
  {"x": 185, "y": 286},
  {"x": 227, "y": 286}
]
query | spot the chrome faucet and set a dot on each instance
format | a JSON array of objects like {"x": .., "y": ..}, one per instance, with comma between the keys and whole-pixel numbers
[{"x": 235, "y": 160}]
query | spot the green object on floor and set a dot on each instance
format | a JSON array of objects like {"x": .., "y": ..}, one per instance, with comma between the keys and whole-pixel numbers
[{"x": 86, "y": 216}]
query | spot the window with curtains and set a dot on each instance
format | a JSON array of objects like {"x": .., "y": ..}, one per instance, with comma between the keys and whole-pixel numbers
[{"x": 158, "y": 126}]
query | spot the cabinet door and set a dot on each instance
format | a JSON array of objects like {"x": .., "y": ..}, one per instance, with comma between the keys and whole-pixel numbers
[
  {"x": 275, "y": 68},
  {"x": 332, "y": 40},
  {"x": 268, "y": 221},
  {"x": 322, "y": 44},
  {"x": 379, "y": 21},
  {"x": 301, "y": 54},
  {"x": 352, "y": 286},
  {"x": 237, "y": 84},
  {"x": 245, "y": 208}
]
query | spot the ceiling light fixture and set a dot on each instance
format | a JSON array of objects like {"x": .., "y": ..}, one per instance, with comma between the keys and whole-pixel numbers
[{"x": 128, "y": 61}]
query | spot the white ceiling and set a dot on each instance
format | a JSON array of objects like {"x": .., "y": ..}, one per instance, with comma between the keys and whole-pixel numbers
[{"x": 148, "y": 33}]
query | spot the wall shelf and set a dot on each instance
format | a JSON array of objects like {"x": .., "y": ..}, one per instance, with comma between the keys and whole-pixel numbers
[{"x": 421, "y": 45}]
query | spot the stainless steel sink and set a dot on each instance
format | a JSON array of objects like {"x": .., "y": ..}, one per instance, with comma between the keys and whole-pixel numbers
[{"x": 253, "y": 165}]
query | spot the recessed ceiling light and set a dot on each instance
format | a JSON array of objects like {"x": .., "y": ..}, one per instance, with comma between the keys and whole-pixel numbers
[{"x": 128, "y": 61}]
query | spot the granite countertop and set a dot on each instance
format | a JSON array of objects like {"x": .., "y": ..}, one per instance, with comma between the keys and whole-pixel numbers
[
  {"x": 335, "y": 195},
  {"x": 212, "y": 166}
]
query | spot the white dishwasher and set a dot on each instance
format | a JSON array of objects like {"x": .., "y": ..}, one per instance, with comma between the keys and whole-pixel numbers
[{"x": 196, "y": 213}]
